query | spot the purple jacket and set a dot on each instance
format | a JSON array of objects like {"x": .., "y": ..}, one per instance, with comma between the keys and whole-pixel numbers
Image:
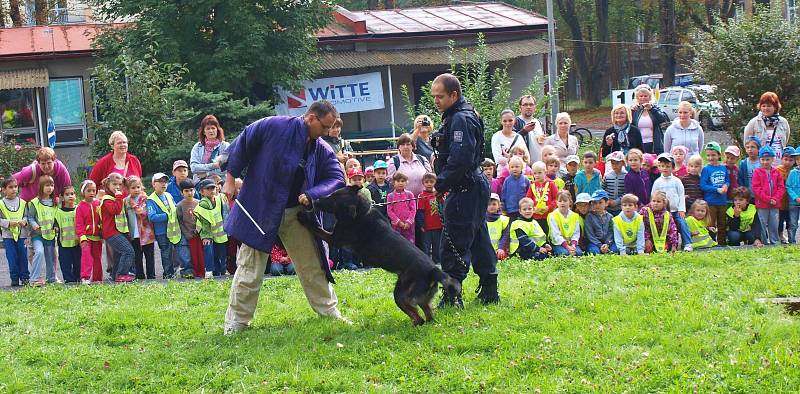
[
  {"x": 270, "y": 150},
  {"x": 638, "y": 183},
  {"x": 29, "y": 187}
]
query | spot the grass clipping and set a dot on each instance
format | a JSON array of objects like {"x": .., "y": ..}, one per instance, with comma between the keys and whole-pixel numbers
[{"x": 675, "y": 323}]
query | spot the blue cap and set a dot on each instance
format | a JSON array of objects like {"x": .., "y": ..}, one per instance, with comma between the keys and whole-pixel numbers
[
  {"x": 796, "y": 152},
  {"x": 766, "y": 151},
  {"x": 378, "y": 164},
  {"x": 789, "y": 151},
  {"x": 599, "y": 195},
  {"x": 205, "y": 184}
]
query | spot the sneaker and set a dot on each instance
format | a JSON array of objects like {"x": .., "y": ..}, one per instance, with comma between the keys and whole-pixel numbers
[
  {"x": 124, "y": 279},
  {"x": 688, "y": 248},
  {"x": 86, "y": 281},
  {"x": 15, "y": 283},
  {"x": 188, "y": 275},
  {"x": 338, "y": 316},
  {"x": 38, "y": 283},
  {"x": 209, "y": 275}
]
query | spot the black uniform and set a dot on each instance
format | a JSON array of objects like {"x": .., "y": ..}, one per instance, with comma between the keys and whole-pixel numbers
[{"x": 465, "y": 239}]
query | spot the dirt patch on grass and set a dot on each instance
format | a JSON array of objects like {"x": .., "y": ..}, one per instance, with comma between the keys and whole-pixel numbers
[{"x": 592, "y": 118}]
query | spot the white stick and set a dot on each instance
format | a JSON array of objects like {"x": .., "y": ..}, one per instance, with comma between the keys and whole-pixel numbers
[{"x": 250, "y": 217}]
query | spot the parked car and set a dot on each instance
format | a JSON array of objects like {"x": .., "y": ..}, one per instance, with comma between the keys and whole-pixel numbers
[
  {"x": 709, "y": 112},
  {"x": 656, "y": 80}
]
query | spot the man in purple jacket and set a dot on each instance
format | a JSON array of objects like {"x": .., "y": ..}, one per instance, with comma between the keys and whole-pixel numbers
[{"x": 284, "y": 165}]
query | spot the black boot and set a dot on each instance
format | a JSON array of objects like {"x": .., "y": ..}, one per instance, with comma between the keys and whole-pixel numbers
[
  {"x": 449, "y": 299},
  {"x": 487, "y": 289}
]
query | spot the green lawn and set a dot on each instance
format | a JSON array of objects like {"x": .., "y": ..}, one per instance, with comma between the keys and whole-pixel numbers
[{"x": 679, "y": 323}]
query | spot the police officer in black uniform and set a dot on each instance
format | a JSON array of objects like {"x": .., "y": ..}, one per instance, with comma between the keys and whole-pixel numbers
[{"x": 459, "y": 145}]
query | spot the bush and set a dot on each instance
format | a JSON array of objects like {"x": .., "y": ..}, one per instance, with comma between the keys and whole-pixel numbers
[
  {"x": 14, "y": 156},
  {"x": 750, "y": 55}
]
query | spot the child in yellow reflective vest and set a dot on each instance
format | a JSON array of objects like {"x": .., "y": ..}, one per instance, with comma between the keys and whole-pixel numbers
[
  {"x": 498, "y": 227},
  {"x": 528, "y": 240},
  {"x": 629, "y": 227},
  {"x": 211, "y": 213},
  {"x": 161, "y": 211},
  {"x": 69, "y": 252},
  {"x": 742, "y": 219},
  {"x": 698, "y": 226},
  {"x": 14, "y": 230},
  {"x": 660, "y": 231},
  {"x": 41, "y": 219},
  {"x": 565, "y": 228}
]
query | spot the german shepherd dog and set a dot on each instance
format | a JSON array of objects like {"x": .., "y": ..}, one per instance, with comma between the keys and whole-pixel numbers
[{"x": 368, "y": 233}]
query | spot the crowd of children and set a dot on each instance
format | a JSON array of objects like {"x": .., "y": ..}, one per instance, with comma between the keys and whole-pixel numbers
[
  {"x": 640, "y": 203},
  {"x": 72, "y": 230}
]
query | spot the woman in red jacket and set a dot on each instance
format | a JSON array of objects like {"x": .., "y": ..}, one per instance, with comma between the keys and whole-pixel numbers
[{"x": 119, "y": 161}]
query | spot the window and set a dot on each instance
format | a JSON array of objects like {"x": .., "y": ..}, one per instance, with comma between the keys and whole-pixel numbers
[
  {"x": 673, "y": 97},
  {"x": 687, "y": 96},
  {"x": 17, "y": 108},
  {"x": 65, "y": 108}
]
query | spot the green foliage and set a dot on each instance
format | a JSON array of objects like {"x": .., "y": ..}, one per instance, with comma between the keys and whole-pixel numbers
[
  {"x": 233, "y": 114},
  {"x": 651, "y": 324},
  {"x": 748, "y": 56},
  {"x": 487, "y": 89},
  {"x": 15, "y": 155},
  {"x": 236, "y": 46}
]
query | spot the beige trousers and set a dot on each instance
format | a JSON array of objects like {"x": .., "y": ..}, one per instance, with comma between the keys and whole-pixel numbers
[{"x": 251, "y": 264}]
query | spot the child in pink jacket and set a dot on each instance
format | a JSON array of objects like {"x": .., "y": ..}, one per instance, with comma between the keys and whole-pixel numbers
[
  {"x": 768, "y": 188},
  {"x": 402, "y": 214}
]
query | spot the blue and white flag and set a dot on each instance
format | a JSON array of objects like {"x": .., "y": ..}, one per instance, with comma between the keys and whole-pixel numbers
[{"x": 51, "y": 133}]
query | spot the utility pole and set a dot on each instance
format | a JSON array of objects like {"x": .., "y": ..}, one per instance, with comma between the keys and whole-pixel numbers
[{"x": 552, "y": 62}]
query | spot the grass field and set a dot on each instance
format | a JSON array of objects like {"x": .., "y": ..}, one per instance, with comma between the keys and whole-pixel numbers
[{"x": 679, "y": 323}]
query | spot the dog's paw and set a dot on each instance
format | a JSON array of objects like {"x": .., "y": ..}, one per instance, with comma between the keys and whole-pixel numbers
[{"x": 307, "y": 218}]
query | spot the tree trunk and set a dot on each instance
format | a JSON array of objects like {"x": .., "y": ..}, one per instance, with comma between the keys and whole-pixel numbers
[
  {"x": 372, "y": 4},
  {"x": 667, "y": 37},
  {"x": 591, "y": 58},
  {"x": 13, "y": 12},
  {"x": 2, "y": 15},
  {"x": 41, "y": 11}
]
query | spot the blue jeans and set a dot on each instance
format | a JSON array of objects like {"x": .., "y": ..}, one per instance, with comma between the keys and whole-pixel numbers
[
  {"x": 165, "y": 247},
  {"x": 794, "y": 216},
  {"x": 595, "y": 249},
  {"x": 683, "y": 229},
  {"x": 123, "y": 255},
  {"x": 430, "y": 242},
  {"x": 278, "y": 269},
  {"x": 215, "y": 256},
  {"x": 17, "y": 256},
  {"x": 70, "y": 261},
  {"x": 185, "y": 256},
  {"x": 768, "y": 217},
  {"x": 44, "y": 252},
  {"x": 562, "y": 251},
  {"x": 735, "y": 237}
]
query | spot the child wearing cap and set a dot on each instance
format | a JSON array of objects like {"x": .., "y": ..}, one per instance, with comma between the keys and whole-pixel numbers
[
  {"x": 528, "y": 240},
  {"x": 660, "y": 232},
  {"x": 430, "y": 210},
  {"x": 583, "y": 203},
  {"x": 515, "y": 187},
  {"x": 568, "y": 177},
  {"x": 787, "y": 163},
  {"x": 190, "y": 248},
  {"x": 565, "y": 229},
  {"x": 402, "y": 208},
  {"x": 637, "y": 180},
  {"x": 498, "y": 227},
  {"x": 180, "y": 171},
  {"x": 769, "y": 189},
  {"x": 614, "y": 182},
  {"x": 732, "y": 154},
  {"x": 587, "y": 180},
  {"x": 672, "y": 187},
  {"x": 715, "y": 182},
  {"x": 629, "y": 227},
  {"x": 369, "y": 175},
  {"x": 211, "y": 213},
  {"x": 599, "y": 228},
  {"x": 543, "y": 193},
  {"x": 793, "y": 191},
  {"x": 356, "y": 178},
  {"x": 162, "y": 213},
  {"x": 742, "y": 219},
  {"x": 749, "y": 163},
  {"x": 379, "y": 188}
]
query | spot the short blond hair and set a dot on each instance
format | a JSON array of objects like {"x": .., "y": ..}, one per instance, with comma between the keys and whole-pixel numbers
[
  {"x": 642, "y": 88},
  {"x": 635, "y": 152},
  {"x": 563, "y": 115},
  {"x": 516, "y": 160},
  {"x": 115, "y": 135},
  {"x": 539, "y": 166},
  {"x": 525, "y": 200},
  {"x": 623, "y": 107},
  {"x": 630, "y": 199},
  {"x": 696, "y": 160}
]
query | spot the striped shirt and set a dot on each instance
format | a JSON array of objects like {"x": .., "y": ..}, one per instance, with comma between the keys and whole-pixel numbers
[{"x": 614, "y": 185}]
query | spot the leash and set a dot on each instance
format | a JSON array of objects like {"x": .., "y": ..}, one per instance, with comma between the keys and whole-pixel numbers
[
  {"x": 249, "y": 217},
  {"x": 382, "y": 204}
]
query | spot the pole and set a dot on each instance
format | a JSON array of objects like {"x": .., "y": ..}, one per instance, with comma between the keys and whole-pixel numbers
[
  {"x": 552, "y": 62},
  {"x": 391, "y": 100}
]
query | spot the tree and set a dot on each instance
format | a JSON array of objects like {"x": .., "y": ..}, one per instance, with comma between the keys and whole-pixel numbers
[
  {"x": 750, "y": 55},
  {"x": 14, "y": 14},
  {"x": 245, "y": 47},
  {"x": 590, "y": 37},
  {"x": 668, "y": 38}
]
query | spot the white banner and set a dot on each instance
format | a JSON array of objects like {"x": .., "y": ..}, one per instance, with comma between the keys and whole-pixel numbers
[
  {"x": 621, "y": 96},
  {"x": 353, "y": 93}
]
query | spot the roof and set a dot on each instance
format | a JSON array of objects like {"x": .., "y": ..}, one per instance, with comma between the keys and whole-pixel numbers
[
  {"x": 53, "y": 40},
  {"x": 457, "y": 18},
  {"x": 498, "y": 51}
]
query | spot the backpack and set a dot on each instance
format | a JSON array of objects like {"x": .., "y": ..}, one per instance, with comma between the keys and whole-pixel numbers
[{"x": 421, "y": 158}]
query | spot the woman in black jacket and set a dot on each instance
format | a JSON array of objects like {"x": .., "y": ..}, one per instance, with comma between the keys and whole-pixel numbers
[
  {"x": 622, "y": 135},
  {"x": 648, "y": 118}
]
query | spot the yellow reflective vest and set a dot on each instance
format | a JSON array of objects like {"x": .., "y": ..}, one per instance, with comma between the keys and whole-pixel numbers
[
  {"x": 531, "y": 229},
  {"x": 629, "y": 230},
  {"x": 45, "y": 216},
  {"x": 702, "y": 239},
  {"x": 496, "y": 230},
  {"x": 567, "y": 227},
  {"x": 173, "y": 229},
  {"x": 66, "y": 227},
  {"x": 213, "y": 219},
  {"x": 659, "y": 238},
  {"x": 13, "y": 215},
  {"x": 120, "y": 219},
  {"x": 746, "y": 218}
]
